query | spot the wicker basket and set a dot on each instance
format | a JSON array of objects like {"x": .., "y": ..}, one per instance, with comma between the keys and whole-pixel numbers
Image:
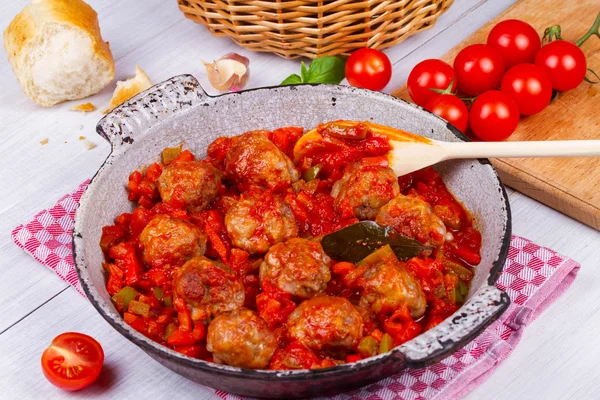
[{"x": 312, "y": 28}]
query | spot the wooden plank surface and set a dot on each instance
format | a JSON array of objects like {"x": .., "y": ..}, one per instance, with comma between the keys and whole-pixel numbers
[
  {"x": 37, "y": 305},
  {"x": 570, "y": 185}
]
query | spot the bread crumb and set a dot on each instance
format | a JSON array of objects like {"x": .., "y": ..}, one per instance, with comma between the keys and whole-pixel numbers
[
  {"x": 44, "y": 141},
  {"x": 85, "y": 107},
  {"x": 129, "y": 88},
  {"x": 89, "y": 145},
  {"x": 81, "y": 137}
]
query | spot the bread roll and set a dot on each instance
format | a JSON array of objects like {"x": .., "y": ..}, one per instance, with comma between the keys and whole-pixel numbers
[{"x": 56, "y": 51}]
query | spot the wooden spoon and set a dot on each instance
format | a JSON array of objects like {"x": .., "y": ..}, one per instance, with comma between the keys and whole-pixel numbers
[{"x": 412, "y": 152}]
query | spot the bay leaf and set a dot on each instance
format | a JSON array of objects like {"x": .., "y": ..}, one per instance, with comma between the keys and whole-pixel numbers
[{"x": 357, "y": 241}]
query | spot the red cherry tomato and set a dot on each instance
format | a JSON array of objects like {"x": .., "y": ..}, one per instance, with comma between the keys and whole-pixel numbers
[
  {"x": 516, "y": 40},
  {"x": 529, "y": 86},
  {"x": 494, "y": 116},
  {"x": 73, "y": 361},
  {"x": 427, "y": 75},
  {"x": 369, "y": 69},
  {"x": 564, "y": 63},
  {"x": 451, "y": 108},
  {"x": 478, "y": 68}
]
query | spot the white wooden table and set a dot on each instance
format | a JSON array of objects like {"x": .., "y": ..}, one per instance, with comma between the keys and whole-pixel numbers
[{"x": 556, "y": 359}]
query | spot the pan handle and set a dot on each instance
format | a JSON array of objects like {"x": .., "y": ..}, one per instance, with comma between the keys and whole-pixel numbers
[
  {"x": 120, "y": 126},
  {"x": 484, "y": 307}
]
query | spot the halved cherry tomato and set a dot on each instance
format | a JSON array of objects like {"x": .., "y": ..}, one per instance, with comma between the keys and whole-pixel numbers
[
  {"x": 451, "y": 108},
  {"x": 564, "y": 63},
  {"x": 494, "y": 116},
  {"x": 369, "y": 69},
  {"x": 427, "y": 75},
  {"x": 478, "y": 68},
  {"x": 516, "y": 40},
  {"x": 73, "y": 361},
  {"x": 529, "y": 86}
]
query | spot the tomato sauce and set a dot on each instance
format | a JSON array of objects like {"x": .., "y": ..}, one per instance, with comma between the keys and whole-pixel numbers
[{"x": 145, "y": 295}]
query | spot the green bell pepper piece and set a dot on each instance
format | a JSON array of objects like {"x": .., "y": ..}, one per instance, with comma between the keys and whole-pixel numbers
[
  {"x": 124, "y": 296},
  {"x": 387, "y": 343},
  {"x": 139, "y": 308},
  {"x": 367, "y": 347},
  {"x": 312, "y": 172},
  {"x": 158, "y": 293}
]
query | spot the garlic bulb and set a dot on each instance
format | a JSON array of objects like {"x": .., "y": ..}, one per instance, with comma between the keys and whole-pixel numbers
[{"x": 228, "y": 73}]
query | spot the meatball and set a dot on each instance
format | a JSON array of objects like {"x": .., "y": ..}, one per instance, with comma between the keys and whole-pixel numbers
[
  {"x": 169, "y": 240},
  {"x": 241, "y": 338},
  {"x": 255, "y": 160},
  {"x": 208, "y": 287},
  {"x": 193, "y": 184},
  {"x": 327, "y": 325},
  {"x": 365, "y": 186},
  {"x": 259, "y": 220},
  {"x": 413, "y": 217},
  {"x": 389, "y": 285},
  {"x": 299, "y": 267}
]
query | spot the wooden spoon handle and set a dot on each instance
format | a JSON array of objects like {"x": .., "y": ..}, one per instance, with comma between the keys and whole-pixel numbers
[{"x": 552, "y": 148}]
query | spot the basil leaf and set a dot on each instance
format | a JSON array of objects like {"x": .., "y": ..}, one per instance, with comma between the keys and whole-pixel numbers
[
  {"x": 293, "y": 79},
  {"x": 355, "y": 242},
  {"x": 303, "y": 72},
  {"x": 327, "y": 69}
]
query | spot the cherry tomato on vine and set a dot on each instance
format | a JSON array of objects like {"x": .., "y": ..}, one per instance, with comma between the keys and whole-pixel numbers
[
  {"x": 369, "y": 69},
  {"x": 427, "y": 75},
  {"x": 529, "y": 86},
  {"x": 451, "y": 108},
  {"x": 478, "y": 68},
  {"x": 564, "y": 63},
  {"x": 516, "y": 40},
  {"x": 73, "y": 361},
  {"x": 494, "y": 116}
]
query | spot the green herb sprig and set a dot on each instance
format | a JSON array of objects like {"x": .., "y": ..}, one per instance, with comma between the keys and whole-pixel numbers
[{"x": 326, "y": 69}]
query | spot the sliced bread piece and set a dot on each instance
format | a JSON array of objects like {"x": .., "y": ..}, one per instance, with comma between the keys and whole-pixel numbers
[{"x": 128, "y": 88}]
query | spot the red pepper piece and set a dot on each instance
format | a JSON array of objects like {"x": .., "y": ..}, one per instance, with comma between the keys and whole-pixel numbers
[
  {"x": 468, "y": 245},
  {"x": 111, "y": 235},
  {"x": 151, "y": 301},
  {"x": 286, "y": 138},
  {"x": 129, "y": 317},
  {"x": 166, "y": 316},
  {"x": 217, "y": 234},
  {"x": 401, "y": 327},
  {"x": 217, "y": 151},
  {"x": 274, "y": 305},
  {"x": 179, "y": 338},
  {"x": 300, "y": 212},
  {"x": 158, "y": 276},
  {"x": 139, "y": 219},
  {"x": 126, "y": 259},
  {"x": 153, "y": 172},
  {"x": 295, "y": 356},
  {"x": 183, "y": 314},
  {"x": 190, "y": 351},
  {"x": 115, "y": 279},
  {"x": 251, "y": 290},
  {"x": 199, "y": 331},
  {"x": 353, "y": 358},
  {"x": 148, "y": 327},
  {"x": 123, "y": 220},
  {"x": 185, "y": 155}
]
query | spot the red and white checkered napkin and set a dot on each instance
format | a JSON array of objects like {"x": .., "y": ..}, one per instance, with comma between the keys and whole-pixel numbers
[{"x": 533, "y": 277}]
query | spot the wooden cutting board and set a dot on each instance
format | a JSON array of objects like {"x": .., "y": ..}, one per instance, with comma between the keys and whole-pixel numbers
[{"x": 569, "y": 185}]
